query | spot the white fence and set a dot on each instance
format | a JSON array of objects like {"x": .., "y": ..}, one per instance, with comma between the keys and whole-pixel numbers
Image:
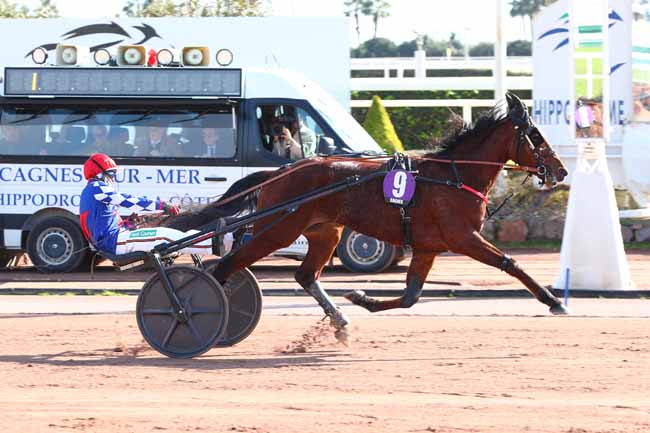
[
  {"x": 393, "y": 79},
  {"x": 465, "y": 104}
]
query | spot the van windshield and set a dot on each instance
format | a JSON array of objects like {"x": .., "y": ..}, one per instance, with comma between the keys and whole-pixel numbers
[
  {"x": 355, "y": 137},
  {"x": 127, "y": 132}
]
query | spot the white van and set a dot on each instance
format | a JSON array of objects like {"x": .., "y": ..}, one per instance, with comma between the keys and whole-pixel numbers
[{"x": 182, "y": 134}]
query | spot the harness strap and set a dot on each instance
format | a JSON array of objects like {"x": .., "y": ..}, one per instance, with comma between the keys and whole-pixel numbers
[
  {"x": 477, "y": 193},
  {"x": 458, "y": 185},
  {"x": 455, "y": 170},
  {"x": 406, "y": 228}
]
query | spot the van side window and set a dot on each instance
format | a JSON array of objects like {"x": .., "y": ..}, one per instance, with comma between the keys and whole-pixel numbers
[
  {"x": 118, "y": 132},
  {"x": 288, "y": 131}
]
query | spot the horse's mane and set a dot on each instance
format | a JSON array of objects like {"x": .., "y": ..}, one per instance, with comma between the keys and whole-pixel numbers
[{"x": 461, "y": 132}]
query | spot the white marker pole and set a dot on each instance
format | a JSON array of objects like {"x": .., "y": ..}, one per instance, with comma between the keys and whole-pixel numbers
[{"x": 500, "y": 52}]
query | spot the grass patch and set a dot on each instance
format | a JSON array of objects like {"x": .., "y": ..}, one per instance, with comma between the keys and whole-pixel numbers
[
  {"x": 637, "y": 246},
  {"x": 108, "y": 293},
  {"x": 542, "y": 244},
  {"x": 557, "y": 245}
]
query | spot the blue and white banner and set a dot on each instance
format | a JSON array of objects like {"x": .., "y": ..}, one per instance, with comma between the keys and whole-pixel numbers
[{"x": 553, "y": 51}]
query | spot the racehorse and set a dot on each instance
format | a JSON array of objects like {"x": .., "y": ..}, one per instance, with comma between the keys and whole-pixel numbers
[{"x": 446, "y": 216}]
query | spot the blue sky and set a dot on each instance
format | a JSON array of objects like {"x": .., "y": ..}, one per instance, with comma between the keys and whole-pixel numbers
[{"x": 472, "y": 20}]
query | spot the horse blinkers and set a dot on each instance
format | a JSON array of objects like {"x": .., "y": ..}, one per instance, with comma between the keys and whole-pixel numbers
[{"x": 528, "y": 132}]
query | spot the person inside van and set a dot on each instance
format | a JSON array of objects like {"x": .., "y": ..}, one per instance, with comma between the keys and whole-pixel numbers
[
  {"x": 10, "y": 143},
  {"x": 70, "y": 141},
  {"x": 284, "y": 143},
  {"x": 305, "y": 136},
  {"x": 102, "y": 225},
  {"x": 118, "y": 137},
  {"x": 154, "y": 143},
  {"x": 97, "y": 140}
]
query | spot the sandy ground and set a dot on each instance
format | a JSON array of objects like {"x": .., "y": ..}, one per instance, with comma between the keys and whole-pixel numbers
[
  {"x": 446, "y": 365},
  {"x": 415, "y": 373}
]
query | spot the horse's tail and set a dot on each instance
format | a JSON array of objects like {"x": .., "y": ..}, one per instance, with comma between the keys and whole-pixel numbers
[
  {"x": 198, "y": 217},
  {"x": 238, "y": 204}
]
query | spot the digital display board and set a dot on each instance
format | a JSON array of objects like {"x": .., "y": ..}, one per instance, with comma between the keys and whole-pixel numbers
[{"x": 112, "y": 81}]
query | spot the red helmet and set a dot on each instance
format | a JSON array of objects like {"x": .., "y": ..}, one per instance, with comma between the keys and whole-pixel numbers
[{"x": 98, "y": 164}]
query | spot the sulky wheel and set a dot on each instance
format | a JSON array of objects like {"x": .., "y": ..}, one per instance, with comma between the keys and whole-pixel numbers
[
  {"x": 244, "y": 304},
  {"x": 206, "y": 313}
]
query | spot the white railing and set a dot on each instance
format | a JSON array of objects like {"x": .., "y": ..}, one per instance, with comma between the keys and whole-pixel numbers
[
  {"x": 400, "y": 64},
  {"x": 392, "y": 79},
  {"x": 437, "y": 83},
  {"x": 465, "y": 104}
]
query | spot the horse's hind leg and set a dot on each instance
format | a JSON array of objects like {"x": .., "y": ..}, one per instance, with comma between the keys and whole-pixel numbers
[
  {"x": 419, "y": 268},
  {"x": 323, "y": 239},
  {"x": 476, "y": 247}
]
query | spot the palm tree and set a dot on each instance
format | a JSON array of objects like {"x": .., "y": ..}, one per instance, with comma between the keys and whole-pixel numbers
[
  {"x": 378, "y": 9},
  {"x": 356, "y": 8},
  {"x": 527, "y": 8}
]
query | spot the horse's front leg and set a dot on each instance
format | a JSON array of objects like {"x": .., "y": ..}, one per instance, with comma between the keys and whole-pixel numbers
[
  {"x": 476, "y": 247},
  {"x": 416, "y": 276}
]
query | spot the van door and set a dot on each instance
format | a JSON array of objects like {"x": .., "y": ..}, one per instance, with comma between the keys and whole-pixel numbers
[{"x": 282, "y": 131}]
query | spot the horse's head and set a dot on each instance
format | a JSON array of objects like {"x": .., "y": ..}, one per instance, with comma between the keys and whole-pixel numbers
[{"x": 531, "y": 148}]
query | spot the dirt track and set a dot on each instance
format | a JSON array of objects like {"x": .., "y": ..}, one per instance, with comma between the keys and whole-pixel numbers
[
  {"x": 401, "y": 374},
  {"x": 449, "y": 271}
]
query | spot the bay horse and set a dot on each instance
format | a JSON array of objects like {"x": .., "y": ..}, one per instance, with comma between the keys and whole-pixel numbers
[{"x": 444, "y": 218}]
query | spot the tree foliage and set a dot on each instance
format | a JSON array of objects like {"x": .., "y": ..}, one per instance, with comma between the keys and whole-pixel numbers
[
  {"x": 46, "y": 9},
  {"x": 380, "y": 127},
  {"x": 382, "y": 47},
  {"x": 519, "y": 47},
  {"x": 376, "y": 47},
  {"x": 375, "y": 9},
  {"x": 527, "y": 8},
  {"x": 195, "y": 8},
  {"x": 378, "y": 9}
]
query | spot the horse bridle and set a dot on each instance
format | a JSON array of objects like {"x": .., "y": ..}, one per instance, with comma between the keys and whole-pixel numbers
[{"x": 528, "y": 133}]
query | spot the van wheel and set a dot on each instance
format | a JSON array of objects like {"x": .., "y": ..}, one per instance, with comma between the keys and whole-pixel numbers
[
  {"x": 400, "y": 255},
  {"x": 361, "y": 253},
  {"x": 56, "y": 245}
]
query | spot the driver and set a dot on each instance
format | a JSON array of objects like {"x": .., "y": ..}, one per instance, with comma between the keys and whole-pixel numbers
[{"x": 104, "y": 228}]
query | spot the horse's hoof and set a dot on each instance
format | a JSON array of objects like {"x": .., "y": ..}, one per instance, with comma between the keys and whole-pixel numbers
[
  {"x": 355, "y": 296},
  {"x": 559, "y": 310},
  {"x": 342, "y": 336},
  {"x": 338, "y": 319}
]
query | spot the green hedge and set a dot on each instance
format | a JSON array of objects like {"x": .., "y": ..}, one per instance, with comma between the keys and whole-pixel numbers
[
  {"x": 417, "y": 127},
  {"x": 377, "y": 123}
]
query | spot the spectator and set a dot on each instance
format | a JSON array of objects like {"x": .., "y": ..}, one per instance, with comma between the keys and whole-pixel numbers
[
  {"x": 118, "y": 138},
  {"x": 155, "y": 143},
  {"x": 97, "y": 141},
  {"x": 10, "y": 144}
]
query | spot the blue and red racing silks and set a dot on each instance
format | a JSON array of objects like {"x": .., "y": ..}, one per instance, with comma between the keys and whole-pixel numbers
[{"x": 98, "y": 211}]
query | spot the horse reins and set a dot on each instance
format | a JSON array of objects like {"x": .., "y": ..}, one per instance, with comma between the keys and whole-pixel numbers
[
  {"x": 523, "y": 126},
  {"x": 291, "y": 169}
]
